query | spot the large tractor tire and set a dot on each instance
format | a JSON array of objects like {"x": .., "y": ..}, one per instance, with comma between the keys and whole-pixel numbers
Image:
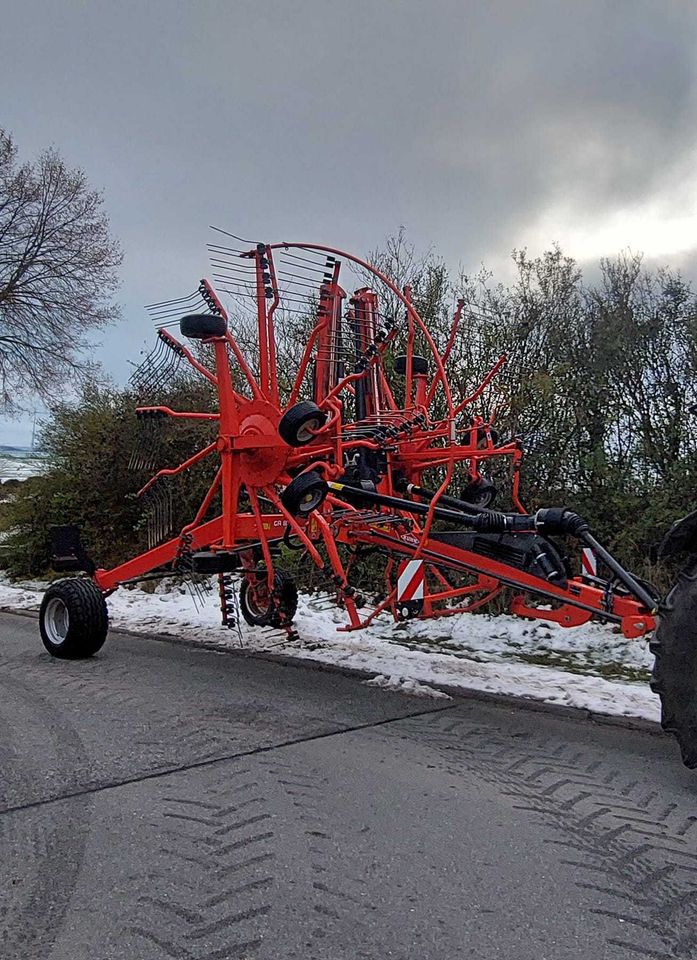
[{"x": 674, "y": 645}]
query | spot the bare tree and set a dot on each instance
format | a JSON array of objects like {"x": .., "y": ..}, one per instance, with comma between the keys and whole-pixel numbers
[{"x": 58, "y": 273}]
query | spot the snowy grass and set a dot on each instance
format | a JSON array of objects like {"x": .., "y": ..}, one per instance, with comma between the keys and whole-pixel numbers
[{"x": 590, "y": 667}]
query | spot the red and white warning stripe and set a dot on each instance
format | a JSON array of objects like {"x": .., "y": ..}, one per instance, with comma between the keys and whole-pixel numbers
[
  {"x": 589, "y": 562},
  {"x": 411, "y": 580}
]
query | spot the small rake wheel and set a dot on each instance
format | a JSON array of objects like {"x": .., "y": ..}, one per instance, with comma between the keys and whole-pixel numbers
[
  {"x": 299, "y": 425},
  {"x": 263, "y": 609}
]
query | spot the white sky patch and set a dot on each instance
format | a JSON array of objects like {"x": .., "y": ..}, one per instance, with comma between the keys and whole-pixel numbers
[{"x": 661, "y": 225}]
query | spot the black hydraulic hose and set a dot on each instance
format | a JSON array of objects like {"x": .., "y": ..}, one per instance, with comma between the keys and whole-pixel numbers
[
  {"x": 347, "y": 492},
  {"x": 622, "y": 575},
  {"x": 489, "y": 522},
  {"x": 444, "y": 498},
  {"x": 565, "y": 521}
]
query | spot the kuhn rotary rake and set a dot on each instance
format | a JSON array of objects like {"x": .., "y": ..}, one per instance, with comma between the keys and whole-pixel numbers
[{"x": 355, "y": 454}]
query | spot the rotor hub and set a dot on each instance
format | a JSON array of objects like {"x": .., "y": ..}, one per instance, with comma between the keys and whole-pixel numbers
[{"x": 262, "y": 454}]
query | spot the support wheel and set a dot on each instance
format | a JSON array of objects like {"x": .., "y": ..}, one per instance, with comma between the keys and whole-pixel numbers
[
  {"x": 297, "y": 424},
  {"x": 419, "y": 365},
  {"x": 73, "y": 619},
  {"x": 674, "y": 645},
  {"x": 480, "y": 492},
  {"x": 261, "y": 610},
  {"x": 201, "y": 326},
  {"x": 304, "y": 493}
]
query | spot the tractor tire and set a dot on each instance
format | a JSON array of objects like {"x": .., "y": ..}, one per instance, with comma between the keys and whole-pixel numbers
[
  {"x": 73, "y": 619},
  {"x": 270, "y": 615},
  {"x": 201, "y": 326},
  {"x": 297, "y": 424},
  {"x": 674, "y": 646}
]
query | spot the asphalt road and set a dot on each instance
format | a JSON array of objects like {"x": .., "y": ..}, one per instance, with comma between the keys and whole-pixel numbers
[{"x": 163, "y": 802}]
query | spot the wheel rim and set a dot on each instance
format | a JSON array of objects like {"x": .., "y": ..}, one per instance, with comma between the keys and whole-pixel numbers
[
  {"x": 311, "y": 500},
  {"x": 56, "y": 621},
  {"x": 255, "y": 608},
  {"x": 307, "y": 430}
]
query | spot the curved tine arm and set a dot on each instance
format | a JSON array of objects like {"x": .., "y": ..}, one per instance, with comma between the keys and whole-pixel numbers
[
  {"x": 457, "y": 316},
  {"x": 396, "y": 291},
  {"x": 178, "y": 414},
  {"x": 244, "y": 366},
  {"x": 185, "y": 352},
  {"x": 482, "y": 386},
  {"x": 263, "y": 542},
  {"x": 172, "y": 471},
  {"x": 205, "y": 505}
]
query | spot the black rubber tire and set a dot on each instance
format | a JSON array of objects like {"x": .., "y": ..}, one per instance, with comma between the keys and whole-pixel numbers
[
  {"x": 480, "y": 493},
  {"x": 674, "y": 645},
  {"x": 87, "y": 619},
  {"x": 304, "y": 493},
  {"x": 293, "y": 428},
  {"x": 419, "y": 365},
  {"x": 201, "y": 326},
  {"x": 274, "y": 616}
]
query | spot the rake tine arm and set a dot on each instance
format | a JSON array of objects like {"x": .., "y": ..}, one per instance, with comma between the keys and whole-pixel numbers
[
  {"x": 408, "y": 386},
  {"x": 244, "y": 366},
  {"x": 205, "y": 505},
  {"x": 178, "y": 414},
  {"x": 295, "y": 526},
  {"x": 173, "y": 471},
  {"x": 185, "y": 352},
  {"x": 482, "y": 386},
  {"x": 302, "y": 369},
  {"x": 263, "y": 542},
  {"x": 273, "y": 376},
  {"x": 457, "y": 316}
]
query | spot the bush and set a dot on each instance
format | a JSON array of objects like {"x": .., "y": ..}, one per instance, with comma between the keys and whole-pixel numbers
[{"x": 89, "y": 482}]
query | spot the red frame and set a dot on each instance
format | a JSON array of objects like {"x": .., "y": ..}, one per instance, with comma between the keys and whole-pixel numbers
[{"x": 252, "y": 455}]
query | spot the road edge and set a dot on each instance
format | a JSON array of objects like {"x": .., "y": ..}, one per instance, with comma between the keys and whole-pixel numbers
[{"x": 456, "y": 692}]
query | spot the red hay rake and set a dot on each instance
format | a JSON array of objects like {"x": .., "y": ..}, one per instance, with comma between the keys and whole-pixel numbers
[
  {"x": 340, "y": 455},
  {"x": 345, "y": 443}
]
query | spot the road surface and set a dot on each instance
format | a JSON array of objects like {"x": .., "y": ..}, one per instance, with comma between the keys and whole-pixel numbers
[{"x": 162, "y": 801}]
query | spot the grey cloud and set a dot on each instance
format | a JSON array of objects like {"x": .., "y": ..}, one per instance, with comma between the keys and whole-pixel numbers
[{"x": 335, "y": 121}]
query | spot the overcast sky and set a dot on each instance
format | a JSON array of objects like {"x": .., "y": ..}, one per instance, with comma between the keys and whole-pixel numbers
[{"x": 480, "y": 126}]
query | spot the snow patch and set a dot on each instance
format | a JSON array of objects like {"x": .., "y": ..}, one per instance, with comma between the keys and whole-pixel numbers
[
  {"x": 592, "y": 667},
  {"x": 406, "y": 685}
]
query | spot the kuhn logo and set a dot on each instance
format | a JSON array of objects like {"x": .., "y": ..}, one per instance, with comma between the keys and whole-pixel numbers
[{"x": 409, "y": 538}]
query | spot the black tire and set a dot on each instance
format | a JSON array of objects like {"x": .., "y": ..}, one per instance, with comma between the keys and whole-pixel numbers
[
  {"x": 674, "y": 646},
  {"x": 480, "y": 493},
  {"x": 274, "y": 614},
  {"x": 419, "y": 365},
  {"x": 296, "y": 423},
  {"x": 73, "y": 619},
  {"x": 304, "y": 493},
  {"x": 201, "y": 326}
]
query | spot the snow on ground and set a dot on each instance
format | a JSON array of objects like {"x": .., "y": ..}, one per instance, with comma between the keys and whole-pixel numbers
[
  {"x": 20, "y": 467},
  {"x": 590, "y": 667}
]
